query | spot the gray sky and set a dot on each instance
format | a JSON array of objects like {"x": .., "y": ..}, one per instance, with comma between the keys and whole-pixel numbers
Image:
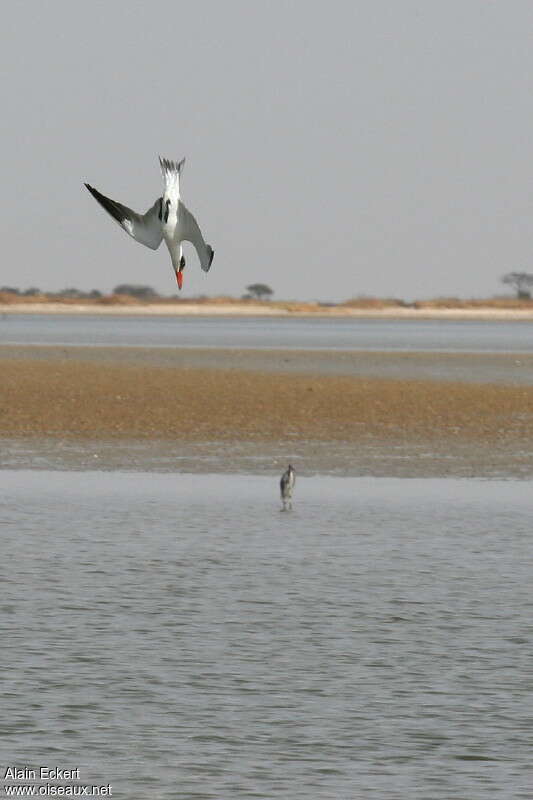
[{"x": 333, "y": 149}]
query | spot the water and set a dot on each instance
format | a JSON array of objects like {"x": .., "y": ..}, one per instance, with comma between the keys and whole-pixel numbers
[
  {"x": 479, "y": 336},
  {"x": 176, "y": 636}
]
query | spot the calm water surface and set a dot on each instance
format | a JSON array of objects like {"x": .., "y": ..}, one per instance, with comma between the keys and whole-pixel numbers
[
  {"x": 176, "y": 636},
  {"x": 479, "y": 336}
]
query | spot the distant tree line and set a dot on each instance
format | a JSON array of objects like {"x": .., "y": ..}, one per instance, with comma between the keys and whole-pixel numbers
[
  {"x": 522, "y": 283},
  {"x": 31, "y": 292},
  {"x": 256, "y": 291},
  {"x": 69, "y": 292},
  {"x": 131, "y": 289}
]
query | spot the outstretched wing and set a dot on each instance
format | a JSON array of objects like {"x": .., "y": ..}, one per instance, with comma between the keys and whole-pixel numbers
[
  {"x": 144, "y": 228},
  {"x": 191, "y": 232}
]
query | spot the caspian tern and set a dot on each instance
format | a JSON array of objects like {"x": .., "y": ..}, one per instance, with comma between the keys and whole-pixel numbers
[{"x": 167, "y": 219}]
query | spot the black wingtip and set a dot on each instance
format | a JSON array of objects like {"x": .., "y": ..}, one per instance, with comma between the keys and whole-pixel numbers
[{"x": 116, "y": 211}]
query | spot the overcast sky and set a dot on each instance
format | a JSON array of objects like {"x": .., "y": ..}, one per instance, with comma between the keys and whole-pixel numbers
[{"x": 379, "y": 147}]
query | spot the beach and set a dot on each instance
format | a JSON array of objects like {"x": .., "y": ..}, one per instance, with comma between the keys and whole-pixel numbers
[
  {"x": 372, "y": 413},
  {"x": 234, "y": 308}
]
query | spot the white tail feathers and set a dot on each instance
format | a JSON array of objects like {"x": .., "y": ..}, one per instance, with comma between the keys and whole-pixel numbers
[{"x": 171, "y": 171}]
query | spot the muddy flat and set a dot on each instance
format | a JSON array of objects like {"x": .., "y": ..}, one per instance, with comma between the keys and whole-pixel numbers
[{"x": 369, "y": 407}]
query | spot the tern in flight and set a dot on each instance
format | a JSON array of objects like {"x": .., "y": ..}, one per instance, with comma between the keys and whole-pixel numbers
[{"x": 167, "y": 219}]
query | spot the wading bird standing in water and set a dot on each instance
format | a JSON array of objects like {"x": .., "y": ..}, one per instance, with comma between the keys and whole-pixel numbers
[
  {"x": 167, "y": 219},
  {"x": 286, "y": 486}
]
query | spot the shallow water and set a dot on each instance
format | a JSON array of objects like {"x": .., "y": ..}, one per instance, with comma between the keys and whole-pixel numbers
[
  {"x": 477, "y": 336},
  {"x": 175, "y": 635},
  {"x": 341, "y": 459}
]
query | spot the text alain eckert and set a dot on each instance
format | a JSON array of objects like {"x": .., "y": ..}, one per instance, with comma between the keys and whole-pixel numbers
[{"x": 42, "y": 774}]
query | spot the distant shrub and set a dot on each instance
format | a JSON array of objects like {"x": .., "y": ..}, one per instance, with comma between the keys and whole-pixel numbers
[
  {"x": 521, "y": 282},
  {"x": 259, "y": 291},
  {"x": 136, "y": 290}
]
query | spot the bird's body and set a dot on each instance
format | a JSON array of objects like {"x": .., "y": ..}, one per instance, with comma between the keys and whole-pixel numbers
[
  {"x": 167, "y": 219},
  {"x": 286, "y": 485}
]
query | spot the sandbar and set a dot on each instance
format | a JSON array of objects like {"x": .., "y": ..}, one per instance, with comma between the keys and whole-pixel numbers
[{"x": 183, "y": 400}]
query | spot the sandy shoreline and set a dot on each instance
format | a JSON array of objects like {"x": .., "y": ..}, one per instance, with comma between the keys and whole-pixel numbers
[
  {"x": 180, "y": 401},
  {"x": 238, "y": 310}
]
